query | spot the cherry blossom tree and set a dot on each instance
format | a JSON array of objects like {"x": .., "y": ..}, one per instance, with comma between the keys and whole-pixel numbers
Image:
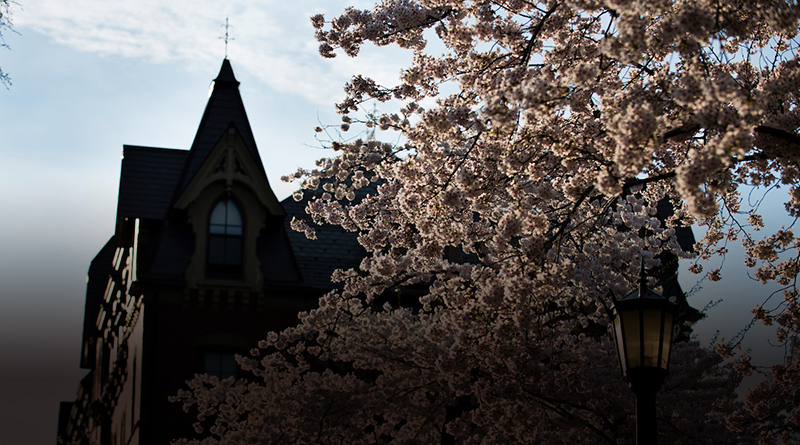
[
  {"x": 534, "y": 153},
  {"x": 5, "y": 24}
]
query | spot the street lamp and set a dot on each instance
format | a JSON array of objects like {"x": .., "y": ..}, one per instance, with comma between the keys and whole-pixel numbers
[{"x": 643, "y": 323}]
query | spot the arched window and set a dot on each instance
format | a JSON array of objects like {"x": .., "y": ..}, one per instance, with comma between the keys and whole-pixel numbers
[{"x": 225, "y": 240}]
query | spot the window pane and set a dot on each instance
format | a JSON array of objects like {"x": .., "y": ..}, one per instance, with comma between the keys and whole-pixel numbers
[
  {"x": 632, "y": 338},
  {"x": 217, "y": 221},
  {"x": 216, "y": 249},
  {"x": 226, "y": 219},
  {"x": 225, "y": 240},
  {"x": 234, "y": 220},
  {"x": 652, "y": 335},
  {"x": 233, "y": 250}
]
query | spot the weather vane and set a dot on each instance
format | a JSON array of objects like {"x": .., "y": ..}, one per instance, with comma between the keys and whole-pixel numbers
[{"x": 226, "y": 38}]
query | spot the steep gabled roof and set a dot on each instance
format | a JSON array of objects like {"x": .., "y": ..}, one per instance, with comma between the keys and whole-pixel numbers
[{"x": 224, "y": 107}]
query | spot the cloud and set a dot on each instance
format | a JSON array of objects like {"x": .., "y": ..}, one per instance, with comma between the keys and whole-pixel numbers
[{"x": 271, "y": 40}]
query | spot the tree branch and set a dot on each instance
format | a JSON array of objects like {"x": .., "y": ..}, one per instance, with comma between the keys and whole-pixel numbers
[
  {"x": 778, "y": 133},
  {"x": 526, "y": 54}
]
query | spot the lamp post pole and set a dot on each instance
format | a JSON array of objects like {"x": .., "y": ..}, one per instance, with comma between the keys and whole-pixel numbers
[{"x": 645, "y": 388}]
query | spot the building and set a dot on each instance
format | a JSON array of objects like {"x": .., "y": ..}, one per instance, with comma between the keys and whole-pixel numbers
[{"x": 201, "y": 266}]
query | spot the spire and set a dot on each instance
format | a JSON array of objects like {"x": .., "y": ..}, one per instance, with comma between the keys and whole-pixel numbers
[
  {"x": 224, "y": 109},
  {"x": 226, "y": 74}
]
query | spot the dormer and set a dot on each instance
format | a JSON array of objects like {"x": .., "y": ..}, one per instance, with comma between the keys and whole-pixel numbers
[{"x": 225, "y": 194}]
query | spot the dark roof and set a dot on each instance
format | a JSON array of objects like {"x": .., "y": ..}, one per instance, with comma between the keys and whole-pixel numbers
[
  {"x": 278, "y": 264},
  {"x": 334, "y": 248},
  {"x": 147, "y": 182},
  {"x": 225, "y": 107}
]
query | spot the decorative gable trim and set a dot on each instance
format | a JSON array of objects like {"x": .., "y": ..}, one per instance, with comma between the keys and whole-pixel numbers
[{"x": 230, "y": 162}]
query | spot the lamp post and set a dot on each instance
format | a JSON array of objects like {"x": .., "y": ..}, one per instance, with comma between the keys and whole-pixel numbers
[{"x": 643, "y": 322}]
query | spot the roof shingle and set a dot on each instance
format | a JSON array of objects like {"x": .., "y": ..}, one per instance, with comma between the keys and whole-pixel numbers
[{"x": 148, "y": 179}]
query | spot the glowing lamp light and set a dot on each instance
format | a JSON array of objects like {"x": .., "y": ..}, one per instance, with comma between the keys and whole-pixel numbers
[{"x": 643, "y": 323}]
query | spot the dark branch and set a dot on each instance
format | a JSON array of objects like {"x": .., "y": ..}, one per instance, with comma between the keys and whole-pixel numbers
[
  {"x": 526, "y": 54},
  {"x": 778, "y": 133}
]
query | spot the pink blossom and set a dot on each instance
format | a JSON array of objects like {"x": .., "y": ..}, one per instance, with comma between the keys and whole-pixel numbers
[{"x": 524, "y": 191}]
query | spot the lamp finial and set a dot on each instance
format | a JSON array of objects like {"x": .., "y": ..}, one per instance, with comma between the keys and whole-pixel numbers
[{"x": 642, "y": 280}]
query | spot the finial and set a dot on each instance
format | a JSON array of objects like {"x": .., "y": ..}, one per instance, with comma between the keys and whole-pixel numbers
[
  {"x": 642, "y": 281},
  {"x": 226, "y": 38}
]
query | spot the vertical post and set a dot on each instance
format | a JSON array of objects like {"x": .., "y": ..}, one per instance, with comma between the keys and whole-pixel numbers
[
  {"x": 645, "y": 387},
  {"x": 226, "y": 38}
]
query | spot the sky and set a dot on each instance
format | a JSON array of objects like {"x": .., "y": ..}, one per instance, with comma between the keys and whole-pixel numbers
[{"x": 89, "y": 76}]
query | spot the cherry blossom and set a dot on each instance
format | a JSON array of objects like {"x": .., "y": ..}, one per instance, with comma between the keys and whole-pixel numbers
[{"x": 514, "y": 206}]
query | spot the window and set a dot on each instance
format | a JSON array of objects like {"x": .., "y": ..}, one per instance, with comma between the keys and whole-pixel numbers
[
  {"x": 220, "y": 364},
  {"x": 225, "y": 240}
]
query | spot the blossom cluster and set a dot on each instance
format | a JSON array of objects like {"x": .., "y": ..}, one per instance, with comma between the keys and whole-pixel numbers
[{"x": 496, "y": 231}]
